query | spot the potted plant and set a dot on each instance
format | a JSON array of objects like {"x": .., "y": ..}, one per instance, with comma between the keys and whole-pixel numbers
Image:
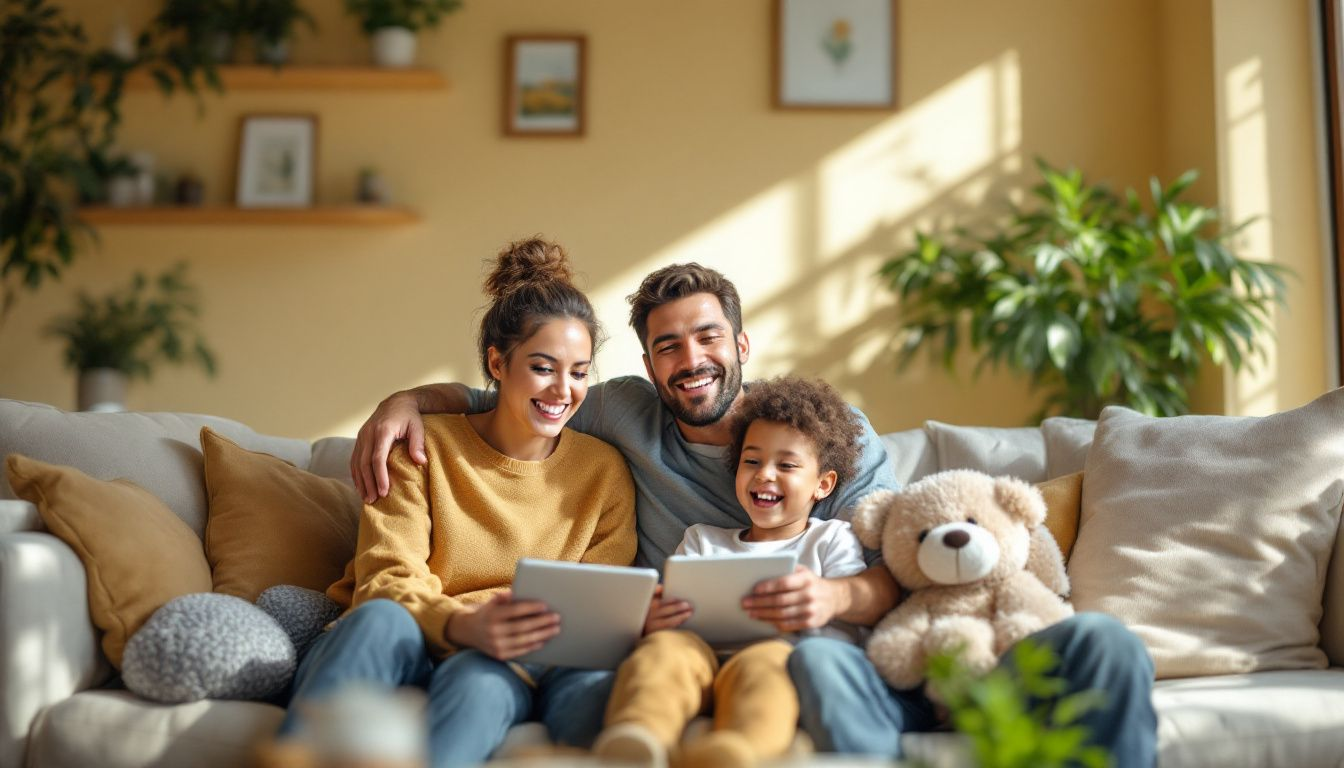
[
  {"x": 126, "y": 333},
  {"x": 206, "y": 31},
  {"x": 392, "y": 24},
  {"x": 1099, "y": 299},
  {"x": 272, "y": 23}
]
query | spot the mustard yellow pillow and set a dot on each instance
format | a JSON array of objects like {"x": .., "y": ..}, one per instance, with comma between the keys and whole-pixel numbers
[
  {"x": 137, "y": 554},
  {"x": 1063, "y": 503},
  {"x": 272, "y": 523}
]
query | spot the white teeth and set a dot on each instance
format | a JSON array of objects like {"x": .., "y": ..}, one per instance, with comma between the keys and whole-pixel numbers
[
  {"x": 554, "y": 410},
  {"x": 768, "y": 497},
  {"x": 698, "y": 383}
]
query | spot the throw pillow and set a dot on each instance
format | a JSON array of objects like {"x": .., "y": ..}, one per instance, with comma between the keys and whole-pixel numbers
[
  {"x": 1063, "y": 503},
  {"x": 1066, "y": 444},
  {"x": 137, "y": 554},
  {"x": 1016, "y": 451},
  {"x": 1210, "y": 535},
  {"x": 302, "y": 613},
  {"x": 271, "y": 523},
  {"x": 208, "y": 646}
]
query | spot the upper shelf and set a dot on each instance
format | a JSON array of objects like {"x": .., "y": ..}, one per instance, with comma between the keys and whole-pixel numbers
[
  {"x": 295, "y": 78},
  {"x": 223, "y": 215}
]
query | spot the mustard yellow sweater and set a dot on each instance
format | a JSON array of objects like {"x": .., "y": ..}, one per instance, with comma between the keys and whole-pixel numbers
[{"x": 449, "y": 534}]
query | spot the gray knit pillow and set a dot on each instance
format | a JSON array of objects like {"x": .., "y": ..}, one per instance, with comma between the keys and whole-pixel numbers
[
  {"x": 208, "y": 645},
  {"x": 303, "y": 613}
]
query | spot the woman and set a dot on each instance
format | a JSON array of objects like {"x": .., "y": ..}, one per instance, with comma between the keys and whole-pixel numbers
[{"x": 429, "y": 588}]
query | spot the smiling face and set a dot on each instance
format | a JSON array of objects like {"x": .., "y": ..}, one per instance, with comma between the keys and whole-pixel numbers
[
  {"x": 694, "y": 359},
  {"x": 544, "y": 380},
  {"x": 779, "y": 480}
]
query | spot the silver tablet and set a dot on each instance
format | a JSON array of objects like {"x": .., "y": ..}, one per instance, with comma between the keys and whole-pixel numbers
[
  {"x": 601, "y": 609},
  {"x": 715, "y": 585}
]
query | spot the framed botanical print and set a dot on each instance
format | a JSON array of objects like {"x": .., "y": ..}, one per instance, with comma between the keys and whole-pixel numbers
[
  {"x": 277, "y": 161},
  {"x": 835, "y": 54}
]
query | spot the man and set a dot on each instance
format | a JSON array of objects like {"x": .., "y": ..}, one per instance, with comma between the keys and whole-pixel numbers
[{"x": 673, "y": 430}]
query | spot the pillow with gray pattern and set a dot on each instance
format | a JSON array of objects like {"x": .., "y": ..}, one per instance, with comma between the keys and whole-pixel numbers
[
  {"x": 209, "y": 645},
  {"x": 303, "y": 613}
]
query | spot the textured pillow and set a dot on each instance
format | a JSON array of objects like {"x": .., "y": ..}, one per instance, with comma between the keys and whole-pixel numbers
[
  {"x": 1016, "y": 451},
  {"x": 208, "y": 646},
  {"x": 301, "y": 613},
  {"x": 1210, "y": 535},
  {"x": 271, "y": 523},
  {"x": 137, "y": 554},
  {"x": 1063, "y": 503},
  {"x": 1066, "y": 444}
]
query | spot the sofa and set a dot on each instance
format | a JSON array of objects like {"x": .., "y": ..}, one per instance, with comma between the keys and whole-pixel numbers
[{"x": 60, "y": 704}]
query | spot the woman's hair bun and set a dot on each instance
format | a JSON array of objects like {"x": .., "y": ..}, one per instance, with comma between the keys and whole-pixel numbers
[{"x": 528, "y": 262}]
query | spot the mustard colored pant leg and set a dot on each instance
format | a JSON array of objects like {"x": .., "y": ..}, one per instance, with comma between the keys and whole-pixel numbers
[
  {"x": 754, "y": 696},
  {"x": 664, "y": 683}
]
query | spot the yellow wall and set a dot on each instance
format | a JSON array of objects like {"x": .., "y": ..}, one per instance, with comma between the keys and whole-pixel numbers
[{"x": 684, "y": 160}]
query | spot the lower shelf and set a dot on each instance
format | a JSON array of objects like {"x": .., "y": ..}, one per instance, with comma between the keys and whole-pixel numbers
[{"x": 222, "y": 215}]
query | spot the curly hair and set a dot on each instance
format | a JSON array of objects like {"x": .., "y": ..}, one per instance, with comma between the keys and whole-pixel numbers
[{"x": 810, "y": 406}]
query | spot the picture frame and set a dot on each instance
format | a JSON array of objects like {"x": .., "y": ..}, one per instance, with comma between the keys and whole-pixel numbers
[
  {"x": 545, "y": 92},
  {"x": 277, "y": 161},
  {"x": 837, "y": 54}
]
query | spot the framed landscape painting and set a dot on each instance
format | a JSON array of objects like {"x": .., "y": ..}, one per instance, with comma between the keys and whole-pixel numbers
[
  {"x": 544, "y": 85},
  {"x": 835, "y": 54}
]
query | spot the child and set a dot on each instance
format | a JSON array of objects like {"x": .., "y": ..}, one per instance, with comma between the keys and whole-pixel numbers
[{"x": 794, "y": 441}]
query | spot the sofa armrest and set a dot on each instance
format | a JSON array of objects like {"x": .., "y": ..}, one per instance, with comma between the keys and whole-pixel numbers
[
  {"x": 16, "y": 516},
  {"x": 48, "y": 645}
]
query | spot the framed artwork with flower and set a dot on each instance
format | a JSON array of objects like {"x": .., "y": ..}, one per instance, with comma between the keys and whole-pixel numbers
[{"x": 835, "y": 54}]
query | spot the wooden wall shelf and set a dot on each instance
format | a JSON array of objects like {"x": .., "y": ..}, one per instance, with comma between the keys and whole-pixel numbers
[
  {"x": 296, "y": 78},
  {"x": 225, "y": 215}
]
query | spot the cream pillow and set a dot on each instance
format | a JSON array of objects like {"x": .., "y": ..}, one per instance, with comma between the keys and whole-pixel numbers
[
  {"x": 137, "y": 554},
  {"x": 1210, "y": 535}
]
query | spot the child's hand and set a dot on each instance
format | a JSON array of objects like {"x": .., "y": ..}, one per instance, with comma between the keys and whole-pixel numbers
[
  {"x": 502, "y": 628},
  {"x": 801, "y": 600},
  {"x": 665, "y": 614}
]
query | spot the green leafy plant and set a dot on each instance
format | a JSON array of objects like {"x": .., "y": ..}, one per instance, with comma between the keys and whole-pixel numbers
[
  {"x": 1015, "y": 716},
  {"x": 273, "y": 21},
  {"x": 1099, "y": 299},
  {"x": 409, "y": 14},
  {"x": 136, "y": 327},
  {"x": 194, "y": 37}
]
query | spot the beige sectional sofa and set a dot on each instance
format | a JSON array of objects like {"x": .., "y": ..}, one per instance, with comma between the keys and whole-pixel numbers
[{"x": 56, "y": 708}]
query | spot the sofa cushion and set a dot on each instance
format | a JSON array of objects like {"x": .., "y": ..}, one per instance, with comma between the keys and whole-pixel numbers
[
  {"x": 117, "y": 729},
  {"x": 157, "y": 451},
  {"x": 1066, "y": 444},
  {"x": 137, "y": 554},
  {"x": 1210, "y": 535},
  {"x": 1279, "y": 719},
  {"x": 911, "y": 453},
  {"x": 272, "y": 523},
  {"x": 1016, "y": 451}
]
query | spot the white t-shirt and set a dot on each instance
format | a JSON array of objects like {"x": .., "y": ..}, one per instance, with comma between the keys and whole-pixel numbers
[{"x": 827, "y": 548}]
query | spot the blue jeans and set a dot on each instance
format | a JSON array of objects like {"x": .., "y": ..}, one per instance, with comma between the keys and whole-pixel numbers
[
  {"x": 847, "y": 707},
  {"x": 473, "y": 698}
]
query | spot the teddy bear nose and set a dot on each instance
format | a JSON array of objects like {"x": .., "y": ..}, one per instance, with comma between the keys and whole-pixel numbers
[{"x": 956, "y": 539}]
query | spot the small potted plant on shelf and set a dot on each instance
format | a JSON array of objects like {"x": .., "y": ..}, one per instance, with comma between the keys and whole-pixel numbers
[
  {"x": 272, "y": 24},
  {"x": 126, "y": 333},
  {"x": 392, "y": 24},
  {"x": 205, "y": 30}
]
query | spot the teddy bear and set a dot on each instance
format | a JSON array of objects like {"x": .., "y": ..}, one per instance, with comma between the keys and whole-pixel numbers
[{"x": 959, "y": 542}]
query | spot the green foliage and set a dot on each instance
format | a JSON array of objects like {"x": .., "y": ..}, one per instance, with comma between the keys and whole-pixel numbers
[
  {"x": 273, "y": 21},
  {"x": 411, "y": 14},
  {"x": 1015, "y": 716},
  {"x": 136, "y": 327},
  {"x": 193, "y": 37},
  {"x": 1100, "y": 300}
]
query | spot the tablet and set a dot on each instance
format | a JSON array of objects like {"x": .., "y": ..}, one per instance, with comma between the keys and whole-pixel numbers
[
  {"x": 715, "y": 585},
  {"x": 601, "y": 607}
]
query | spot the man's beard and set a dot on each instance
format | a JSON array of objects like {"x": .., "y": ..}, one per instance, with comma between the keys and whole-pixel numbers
[{"x": 703, "y": 414}]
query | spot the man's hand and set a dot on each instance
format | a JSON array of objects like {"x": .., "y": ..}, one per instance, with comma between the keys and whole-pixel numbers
[
  {"x": 396, "y": 418},
  {"x": 801, "y": 600},
  {"x": 502, "y": 628},
  {"x": 665, "y": 614}
]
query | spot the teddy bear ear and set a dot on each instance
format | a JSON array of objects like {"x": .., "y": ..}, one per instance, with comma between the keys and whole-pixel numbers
[
  {"x": 1021, "y": 500},
  {"x": 869, "y": 515}
]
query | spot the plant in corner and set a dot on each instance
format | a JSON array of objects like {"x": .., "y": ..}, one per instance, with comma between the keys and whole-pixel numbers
[
  {"x": 272, "y": 23},
  {"x": 392, "y": 24},
  {"x": 1099, "y": 299},
  {"x": 1015, "y": 716},
  {"x": 126, "y": 333}
]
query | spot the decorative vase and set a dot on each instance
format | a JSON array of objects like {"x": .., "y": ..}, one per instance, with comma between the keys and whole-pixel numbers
[
  {"x": 102, "y": 389},
  {"x": 393, "y": 47}
]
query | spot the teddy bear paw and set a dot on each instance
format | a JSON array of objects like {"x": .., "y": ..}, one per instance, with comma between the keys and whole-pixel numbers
[
  {"x": 1012, "y": 627},
  {"x": 970, "y": 637}
]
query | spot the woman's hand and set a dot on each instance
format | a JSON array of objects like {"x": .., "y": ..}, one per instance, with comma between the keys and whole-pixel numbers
[
  {"x": 502, "y": 628},
  {"x": 665, "y": 614},
  {"x": 801, "y": 600}
]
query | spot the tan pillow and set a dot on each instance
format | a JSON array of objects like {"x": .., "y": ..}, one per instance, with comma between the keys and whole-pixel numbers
[
  {"x": 137, "y": 554},
  {"x": 272, "y": 523},
  {"x": 1063, "y": 502},
  {"x": 1210, "y": 535}
]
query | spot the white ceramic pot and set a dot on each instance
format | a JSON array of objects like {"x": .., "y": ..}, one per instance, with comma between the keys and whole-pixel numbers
[
  {"x": 102, "y": 389},
  {"x": 393, "y": 47}
]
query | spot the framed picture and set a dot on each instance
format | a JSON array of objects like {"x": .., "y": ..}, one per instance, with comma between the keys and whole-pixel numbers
[
  {"x": 277, "y": 161},
  {"x": 544, "y": 85},
  {"x": 835, "y": 54}
]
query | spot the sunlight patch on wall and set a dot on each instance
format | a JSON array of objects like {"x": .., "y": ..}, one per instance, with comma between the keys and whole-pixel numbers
[{"x": 349, "y": 424}]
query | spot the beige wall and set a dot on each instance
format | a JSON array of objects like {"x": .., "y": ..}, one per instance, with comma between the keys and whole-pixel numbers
[{"x": 684, "y": 160}]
